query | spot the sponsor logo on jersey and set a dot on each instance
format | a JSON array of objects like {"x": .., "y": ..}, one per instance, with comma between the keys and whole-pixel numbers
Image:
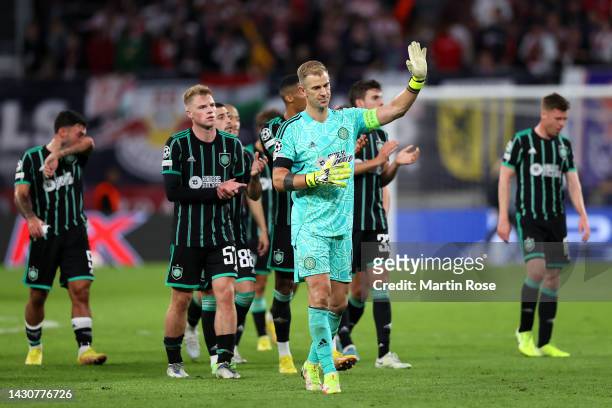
[
  {"x": 225, "y": 159},
  {"x": 340, "y": 157},
  {"x": 65, "y": 179},
  {"x": 197, "y": 182},
  {"x": 547, "y": 170}
]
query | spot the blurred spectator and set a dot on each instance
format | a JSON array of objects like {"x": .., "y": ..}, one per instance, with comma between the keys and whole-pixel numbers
[
  {"x": 272, "y": 37},
  {"x": 106, "y": 197},
  {"x": 100, "y": 51},
  {"x": 446, "y": 51},
  {"x": 539, "y": 51},
  {"x": 132, "y": 52}
]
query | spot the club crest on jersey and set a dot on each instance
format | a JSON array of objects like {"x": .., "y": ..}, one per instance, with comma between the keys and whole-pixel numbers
[
  {"x": 279, "y": 256},
  {"x": 379, "y": 144},
  {"x": 343, "y": 133},
  {"x": 309, "y": 263},
  {"x": 166, "y": 152},
  {"x": 563, "y": 152},
  {"x": 32, "y": 273},
  {"x": 225, "y": 159},
  {"x": 70, "y": 158},
  {"x": 177, "y": 272},
  {"x": 529, "y": 244}
]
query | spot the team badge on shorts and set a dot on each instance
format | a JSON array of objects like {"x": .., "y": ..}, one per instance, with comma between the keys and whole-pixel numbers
[
  {"x": 177, "y": 272},
  {"x": 32, "y": 273},
  {"x": 529, "y": 244},
  {"x": 224, "y": 159},
  {"x": 278, "y": 256},
  {"x": 343, "y": 133},
  {"x": 309, "y": 263}
]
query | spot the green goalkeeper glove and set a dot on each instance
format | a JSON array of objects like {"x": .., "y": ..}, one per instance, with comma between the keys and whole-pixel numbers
[{"x": 330, "y": 174}]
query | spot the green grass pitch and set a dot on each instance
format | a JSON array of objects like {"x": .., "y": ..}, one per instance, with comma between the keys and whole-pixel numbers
[{"x": 464, "y": 354}]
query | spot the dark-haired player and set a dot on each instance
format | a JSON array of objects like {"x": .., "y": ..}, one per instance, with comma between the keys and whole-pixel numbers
[{"x": 49, "y": 195}]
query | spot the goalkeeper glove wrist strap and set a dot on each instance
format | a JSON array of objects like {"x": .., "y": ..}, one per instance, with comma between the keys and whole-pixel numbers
[
  {"x": 415, "y": 85},
  {"x": 310, "y": 179}
]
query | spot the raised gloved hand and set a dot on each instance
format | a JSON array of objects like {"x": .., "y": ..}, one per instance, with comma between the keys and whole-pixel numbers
[{"x": 417, "y": 65}]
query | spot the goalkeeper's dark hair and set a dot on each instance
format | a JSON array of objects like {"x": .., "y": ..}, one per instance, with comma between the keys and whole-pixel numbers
[
  {"x": 68, "y": 118},
  {"x": 360, "y": 88},
  {"x": 219, "y": 105},
  {"x": 555, "y": 101}
]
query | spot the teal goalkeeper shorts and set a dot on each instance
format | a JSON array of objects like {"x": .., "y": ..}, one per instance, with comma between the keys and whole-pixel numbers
[{"x": 316, "y": 255}]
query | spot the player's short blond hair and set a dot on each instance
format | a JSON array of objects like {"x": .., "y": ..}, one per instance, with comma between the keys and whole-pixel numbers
[
  {"x": 311, "y": 67},
  {"x": 195, "y": 90}
]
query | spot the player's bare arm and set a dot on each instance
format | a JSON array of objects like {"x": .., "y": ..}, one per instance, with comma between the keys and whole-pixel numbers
[
  {"x": 263, "y": 241},
  {"x": 380, "y": 160},
  {"x": 283, "y": 180},
  {"x": 361, "y": 142},
  {"x": 254, "y": 186},
  {"x": 503, "y": 192},
  {"x": 408, "y": 155},
  {"x": 84, "y": 145},
  {"x": 24, "y": 206},
  {"x": 575, "y": 192},
  {"x": 417, "y": 65}
]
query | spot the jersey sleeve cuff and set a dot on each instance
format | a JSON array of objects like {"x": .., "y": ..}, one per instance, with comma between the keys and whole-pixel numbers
[
  {"x": 572, "y": 169},
  {"x": 178, "y": 173},
  {"x": 510, "y": 166},
  {"x": 283, "y": 162}
]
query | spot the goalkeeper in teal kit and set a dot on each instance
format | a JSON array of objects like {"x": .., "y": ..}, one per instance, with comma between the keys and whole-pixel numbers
[{"x": 313, "y": 158}]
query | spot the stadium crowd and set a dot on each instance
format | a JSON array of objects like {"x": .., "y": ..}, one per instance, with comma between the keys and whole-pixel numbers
[{"x": 529, "y": 41}]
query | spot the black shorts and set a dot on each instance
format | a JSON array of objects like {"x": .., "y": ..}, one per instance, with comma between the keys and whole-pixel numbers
[
  {"x": 195, "y": 267},
  {"x": 378, "y": 247},
  {"x": 280, "y": 257},
  {"x": 69, "y": 250},
  {"x": 245, "y": 264},
  {"x": 544, "y": 239}
]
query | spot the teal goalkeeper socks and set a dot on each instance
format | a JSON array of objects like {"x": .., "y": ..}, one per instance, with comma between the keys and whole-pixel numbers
[
  {"x": 334, "y": 322},
  {"x": 320, "y": 332}
]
